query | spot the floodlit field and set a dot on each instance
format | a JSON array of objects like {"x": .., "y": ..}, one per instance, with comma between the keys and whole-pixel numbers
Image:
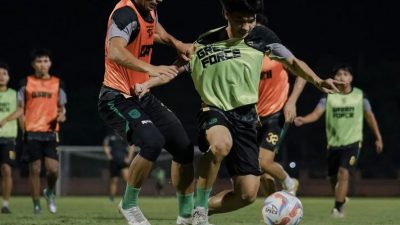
[{"x": 162, "y": 211}]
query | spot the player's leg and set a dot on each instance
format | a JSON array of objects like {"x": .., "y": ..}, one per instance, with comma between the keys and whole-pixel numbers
[
  {"x": 268, "y": 138},
  {"x": 243, "y": 166},
  {"x": 275, "y": 169},
  {"x": 244, "y": 193},
  {"x": 267, "y": 184},
  {"x": 126, "y": 116},
  {"x": 32, "y": 154},
  {"x": 6, "y": 186},
  {"x": 7, "y": 159},
  {"x": 52, "y": 165},
  {"x": 114, "y": 179},
  {"x": 177, "y": 143},
  {"x": 333, "y": 157},
  {"x": 34, "y": 177},
  {"x": 348, "y": 160}
]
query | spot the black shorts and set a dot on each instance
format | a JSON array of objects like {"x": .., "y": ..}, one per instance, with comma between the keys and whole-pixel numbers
[
  {"x": 269, "y": 132},
  {"x": 146, "y": 123},
  {"x": 38, "y": 149},
  {"x": 241, "y": 122},
  {"x": 116, "y": 167},
  {"x": 345, "y": 157},
  {"x": 7, "y": 151}
]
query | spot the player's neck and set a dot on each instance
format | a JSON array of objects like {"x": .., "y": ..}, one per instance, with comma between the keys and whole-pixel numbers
[
  {"x": 347, "y": 89},
  {"x": 42, "y": 76},
  {"x": 3, "y": 88}
]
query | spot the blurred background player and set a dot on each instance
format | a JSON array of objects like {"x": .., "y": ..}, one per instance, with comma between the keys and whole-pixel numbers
[
  {"x": 160, "y": 179},
  {"x": 133, "y": 28},
  {"x": 8, "y": 134},
  {"x": 42, "y": 99},
  {"x": 274, "y": 104},
  {"x": 344, "y": 115},
  {"x": 119, "y": 155}
]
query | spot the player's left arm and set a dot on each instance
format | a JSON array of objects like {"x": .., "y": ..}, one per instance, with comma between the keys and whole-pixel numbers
[
  {"x": 373, "y": 125},
  {"x": 289, "y": 110},
  {"x": 163, "y": 37},
  {"x": 62, "y": 111}
]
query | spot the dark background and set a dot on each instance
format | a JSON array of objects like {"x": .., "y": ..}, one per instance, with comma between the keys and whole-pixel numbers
[{"x": 321, "y": 33}]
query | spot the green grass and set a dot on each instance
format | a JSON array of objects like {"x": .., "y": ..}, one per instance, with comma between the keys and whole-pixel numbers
[{"x": 162, "y": 211}]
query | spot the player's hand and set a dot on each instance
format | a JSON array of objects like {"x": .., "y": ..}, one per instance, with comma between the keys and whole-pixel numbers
[
  {"x": 2, "y": 123},
  {"x": 299, "y": 121},
  {"x": 184, "y": 50},
  {"x": 330, "y": 86},
  {"x": 140, "y": 90},
  {"x": 61, "y": 117},
  {"x": 379, "y": 146},
  {"x": 289, "y": 111},
  {"x": 169, "y": 71}
]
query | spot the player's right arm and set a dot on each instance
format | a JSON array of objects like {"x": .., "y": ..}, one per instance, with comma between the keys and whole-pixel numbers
[
  {"x": 122, "y": 31},
  {"x": 313, "y": 116},
  {"x": 120, "y": 54},
  {"x": 107, "y": 148},
  {"x": 12, "y": 116}
]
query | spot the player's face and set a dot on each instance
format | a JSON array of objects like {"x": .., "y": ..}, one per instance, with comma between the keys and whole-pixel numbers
[
  {"x": 240, "y": 24},
  {"x": 41, "y": 65},
  {"x": 4, "y": 77},
  {"x": 149, "y": 4},
  {"x": 345, "y": 76}
]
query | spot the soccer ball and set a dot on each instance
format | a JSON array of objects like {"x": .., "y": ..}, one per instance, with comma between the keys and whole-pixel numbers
[{"x": 282, "y": 208}]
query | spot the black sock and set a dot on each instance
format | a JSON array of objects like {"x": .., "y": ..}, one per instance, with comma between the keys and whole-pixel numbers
[{"x": 339, "y": 205}]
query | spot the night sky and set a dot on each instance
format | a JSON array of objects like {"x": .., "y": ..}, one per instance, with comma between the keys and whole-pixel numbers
[{"x": 321, "y": 33}]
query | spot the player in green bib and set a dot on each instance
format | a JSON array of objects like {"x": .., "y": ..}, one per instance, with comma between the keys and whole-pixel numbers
[
  {"x": 344, "y": 114},
  {"x": 8, "y": 133},
  {"x": 225, "y": 69}
]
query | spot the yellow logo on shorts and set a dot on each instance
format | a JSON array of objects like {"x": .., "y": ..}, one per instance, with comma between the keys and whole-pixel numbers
[
  {"x": 352, "y": 160},
  {"x": 11, "y": 155},
  {"x": 272, "y": 138}
]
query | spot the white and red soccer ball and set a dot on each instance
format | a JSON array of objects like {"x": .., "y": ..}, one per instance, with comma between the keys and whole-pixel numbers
[{"x": 282, "y": 208}]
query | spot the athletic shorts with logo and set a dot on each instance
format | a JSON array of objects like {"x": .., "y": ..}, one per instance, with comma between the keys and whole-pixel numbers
[
  {"x": 269, "y": 131},
  {"x": 344, "y": 156},
  {"x": 241, "y": 122},
  {"x": 38, "y": 145},
  {"x": 147, "y": 123},
  {"x": 7, "y": 151}
]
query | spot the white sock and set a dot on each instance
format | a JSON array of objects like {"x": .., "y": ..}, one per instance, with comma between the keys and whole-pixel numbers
[
  {"x": 5, "y": 203},
  {"x": 288, "y": 182}
]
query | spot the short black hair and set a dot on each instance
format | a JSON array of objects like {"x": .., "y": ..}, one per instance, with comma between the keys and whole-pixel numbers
[
  {"x": 40, "y": 52},
  {"x": 244, "y": 6},
  {"x": 5, "y": 66},
  {"x": 342, "y": 66},
  {"x": 261, "y": 19}
]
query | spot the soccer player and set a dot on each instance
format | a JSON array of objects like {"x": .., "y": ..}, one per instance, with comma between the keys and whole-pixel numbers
[
  {"x": 146, "y": 123},
  {"x": 8, "y": 133},
  {"x": 225, "y": 69},
  {"x": 273, "y": 104},
  {"x": 344, "y": 115},
  {"x": 42, "y": 99},
  {"x": 119, "y": 155}
]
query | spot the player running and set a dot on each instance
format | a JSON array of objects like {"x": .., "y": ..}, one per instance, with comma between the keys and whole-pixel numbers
[{"x": 344, "y": 115}]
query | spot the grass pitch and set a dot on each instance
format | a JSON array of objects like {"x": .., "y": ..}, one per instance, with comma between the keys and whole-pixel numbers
[{"x": 163, "y": 211}]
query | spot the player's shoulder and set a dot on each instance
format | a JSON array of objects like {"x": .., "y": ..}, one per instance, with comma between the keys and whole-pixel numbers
[
  {"x": 11, "y": 90},
  {"x": 124, "y": 16},
  {"x": 260, "y": 37},
  {"x": 212, "y": 36}
]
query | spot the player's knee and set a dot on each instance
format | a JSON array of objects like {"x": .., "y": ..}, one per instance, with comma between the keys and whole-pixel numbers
[
  {"x": 35, "y": 170},
  {"x": 248, "y": 198},
  {"x": 52, "y": 171},
  {"x": 5, "y": 170},
  {"x": 221, "y": 148},
  {"x": 343, "y": 174},
  {"x": 151, "y": 148}
]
